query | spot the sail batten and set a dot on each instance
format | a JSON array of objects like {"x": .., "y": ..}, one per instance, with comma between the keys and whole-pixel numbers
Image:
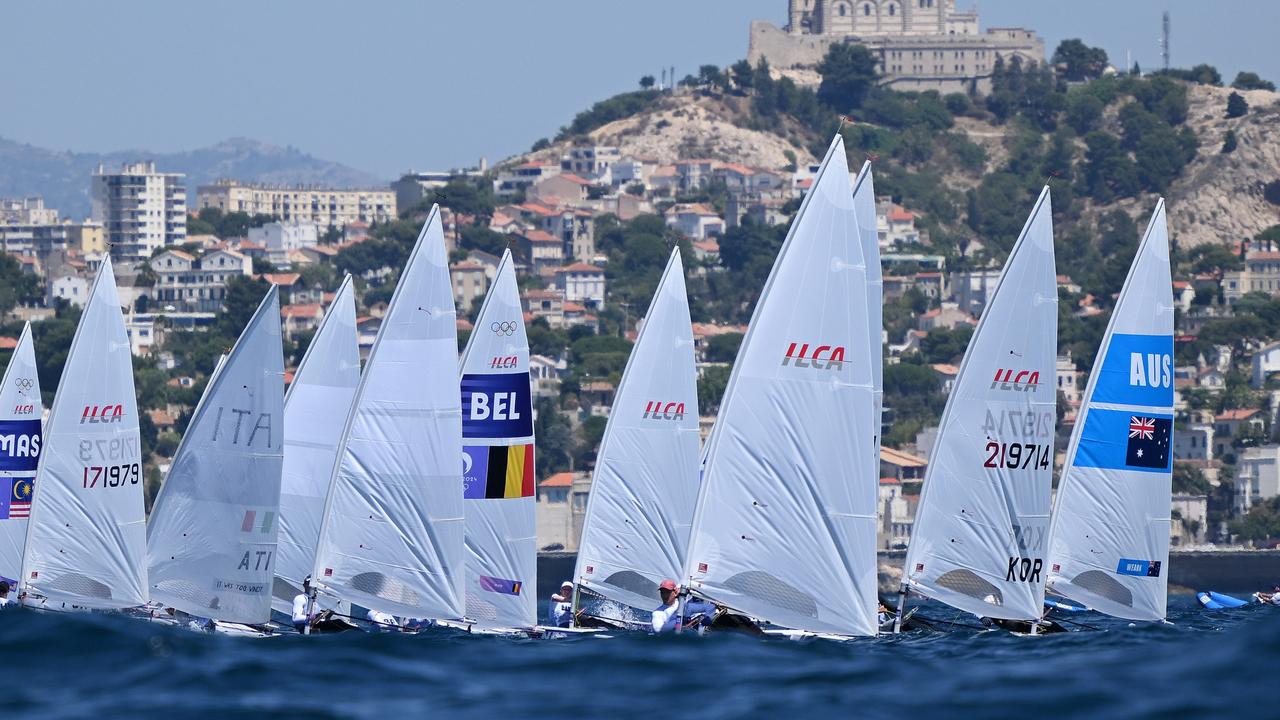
[
  {"x": 21, "y": 409},
  {"x": 86, "y": 539},
  {"x": 498, "y": 461},
  {"x": 645, "y": 483},
  {"x": 1109, "y": 540},
  {"x": 391, "y": 537},
  {"x": 785, "y": 523},
  {"x": 979, "y": 538}
]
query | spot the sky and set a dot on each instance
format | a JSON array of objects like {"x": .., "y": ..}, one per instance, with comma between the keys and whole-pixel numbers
[{"x": 391, "y": 86}]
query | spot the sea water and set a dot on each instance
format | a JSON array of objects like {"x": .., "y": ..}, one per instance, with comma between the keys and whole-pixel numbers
[{"x": 102, "y": 665}]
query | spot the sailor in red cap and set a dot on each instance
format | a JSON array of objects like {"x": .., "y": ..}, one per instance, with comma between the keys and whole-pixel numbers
[{"x": 666, "y": 616}]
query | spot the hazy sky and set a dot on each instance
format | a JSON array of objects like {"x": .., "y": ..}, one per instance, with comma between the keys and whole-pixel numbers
[{"x": 388, "y": 86}]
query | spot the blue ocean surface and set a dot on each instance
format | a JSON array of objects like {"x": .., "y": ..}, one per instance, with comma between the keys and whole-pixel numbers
[{"x": 103, "y": 665}]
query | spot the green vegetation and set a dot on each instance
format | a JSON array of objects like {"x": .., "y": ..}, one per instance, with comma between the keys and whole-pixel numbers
[
  {"x": 606, "y": 111},
  {"x": 1251, "y": 81},
  {"x": 1236, "y": 105},
  {"x": 212, "y": 221}
]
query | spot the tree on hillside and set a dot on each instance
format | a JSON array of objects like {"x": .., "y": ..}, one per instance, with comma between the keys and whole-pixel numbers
[
  {"x": 1251, "y": 81},
  {"x": 1079, "y": 61},
  {"x": 848, "y": 74},
  {"x": 1236, "y": 105},
  {"x": 1109, "y": 172},
  {"x": 1229, "y": 141},
  {"x": 647, "y": 82}
]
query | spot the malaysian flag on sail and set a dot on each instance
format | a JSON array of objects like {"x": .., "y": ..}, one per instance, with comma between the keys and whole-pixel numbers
[{"x": 15, "y": 498}]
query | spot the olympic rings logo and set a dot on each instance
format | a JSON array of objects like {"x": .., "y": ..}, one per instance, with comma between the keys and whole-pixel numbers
[
  {"x": 503, "y": 328},
  {"x": 23, "y": 383}
]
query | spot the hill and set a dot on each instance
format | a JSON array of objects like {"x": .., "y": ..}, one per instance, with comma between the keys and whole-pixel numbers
[{"x": 62, "y": 177}]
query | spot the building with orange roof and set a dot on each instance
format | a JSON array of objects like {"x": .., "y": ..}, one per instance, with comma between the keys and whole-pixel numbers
[
  {"x": 695, "y": 221},
  {"x": 299, "y": 318}
]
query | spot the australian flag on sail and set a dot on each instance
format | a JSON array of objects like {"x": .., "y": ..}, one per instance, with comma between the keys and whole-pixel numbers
[
  {"x": 1148, "y": 445},
  {"x": 1123, "y": 440}
]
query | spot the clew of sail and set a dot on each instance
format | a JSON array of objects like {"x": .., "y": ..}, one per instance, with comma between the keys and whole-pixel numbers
[
  {"x": 498, "y": 462},
  {"x": 979, "y": 538},
  {"x": 646, "y": 476},
  {"x": 211, "y": 540},
  {"x": 20, "y": 411},
  {"x": 315, "y": 410},
  {"x": 86, "y": 539},
  {"x": 1109, "y": 541},
  {"x": 391, "y": 537},
  {"x": 785, "y": 524}
]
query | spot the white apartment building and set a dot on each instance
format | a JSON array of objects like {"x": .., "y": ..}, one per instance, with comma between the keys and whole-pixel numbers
[
  {"x": 279, "y": 239},
  {"x": 1067, "y": 380},
  {"x": 590, "y": 161},
  {"x": 72, "y": 288},
  {"x": 582, "y": 283},
  {"x": 300, "y": 204},
  {"x": 196, "y": 284},
  {"x": 1257, "y": 477},
  {"x": 26, "y": 211},
  {"x": 142, "y": 210}
]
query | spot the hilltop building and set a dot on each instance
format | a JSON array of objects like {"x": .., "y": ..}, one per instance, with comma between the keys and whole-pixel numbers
[
  {"x": 141, "y": 210},
  {"x": 300, "y": 204},
  {"x": 921, "y": 44}
]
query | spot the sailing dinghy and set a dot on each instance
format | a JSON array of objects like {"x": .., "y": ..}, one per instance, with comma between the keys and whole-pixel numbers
[
  {"x": 785, "y": 526},
  {"x": 498, "y": 464},
  {"x": 211, "y": 540},
  {"x": 1109, "y": 541},
  {"x": 391, "y": 535},
  {"x": 315, "y": 410},
  {"x": 645, "y": 483},
  {"x": 979, "y": 537},
  {"x": 20, "y": 412},
  {"x": 86, "y": 538}
]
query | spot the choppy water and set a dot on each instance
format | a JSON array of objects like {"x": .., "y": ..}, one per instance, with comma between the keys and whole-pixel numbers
[{"x": 91, "y": 665}]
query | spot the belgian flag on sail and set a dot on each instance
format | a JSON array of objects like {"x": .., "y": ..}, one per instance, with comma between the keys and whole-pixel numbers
[{"x": 499, "y": 471}]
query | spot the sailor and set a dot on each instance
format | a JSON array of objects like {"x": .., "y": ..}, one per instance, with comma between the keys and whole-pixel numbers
[
  {"x": 665, "y": 616},
  {"x": 300, "y": 603},
  {"x": 561, "y": 608},
  {"x": 1272, "y": 597},
  {"x": 383, "y": 621},
  {"x": 4, "y": 593}
]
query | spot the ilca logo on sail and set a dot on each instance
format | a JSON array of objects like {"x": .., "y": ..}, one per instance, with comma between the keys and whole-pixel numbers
[
  {"x": 820, "y": 357},
  {"x": 659, "y": 410},
  {"x": 1017, "y": 380}
]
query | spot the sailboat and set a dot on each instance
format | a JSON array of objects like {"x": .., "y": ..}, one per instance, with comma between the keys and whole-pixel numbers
[
  {"x": 20, "y": 411},
  {"x": 86, "y": 539},
  {"x": 785, "y": 526},
  {"x": 979, "y": 538},
  {"x": 1109, "y": 540},
  {"x": 211, "y": 540},
  {"x": 391, "y": 535},
  {"x": 645, "y": 483},
  {"x": 498, "y": 463},
  {"x": 315, "y": 411}
]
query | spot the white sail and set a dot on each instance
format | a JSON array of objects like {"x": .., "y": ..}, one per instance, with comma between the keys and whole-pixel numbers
[
  {"x": 979, "y": 538},
  {"x": 315, "y": 410},
  {"x": 211, "y": 540},
  {"x": 1109, "y": 541},
  {"x": 391, "y": 538},
  {"x": 646, "y": 476},
  {"x": 86, "y": 540},
  {"x": 498, "y": 462},
  {"x": 864, "y": 207},
  {"x": 20, "y": 413},
  {"x": 785, "y": 524}
]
